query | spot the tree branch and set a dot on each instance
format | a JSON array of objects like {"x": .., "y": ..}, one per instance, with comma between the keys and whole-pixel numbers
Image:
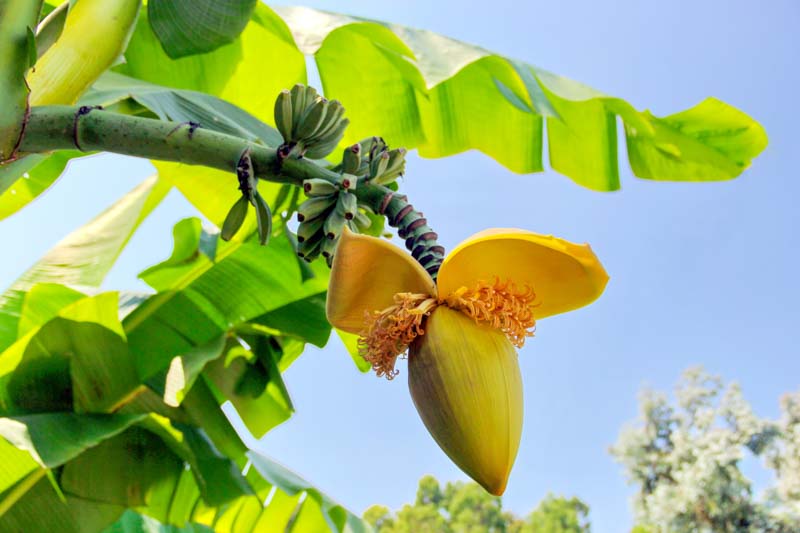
[{"x": 51, "y": 128}]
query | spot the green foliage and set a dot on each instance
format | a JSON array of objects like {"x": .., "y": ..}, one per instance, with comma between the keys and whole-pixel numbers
[
  {"x": 467, "y": 508},
  {"x": 559, "y": 515},
  {"x": 187, "y": 28},
  {"x": 224, "y": 323},
  {"x": 17, "y": 54},
  {"x": 110, "y": 404}
]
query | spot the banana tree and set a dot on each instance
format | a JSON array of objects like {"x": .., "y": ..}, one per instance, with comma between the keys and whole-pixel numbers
[{"x": 110, "y": 402}]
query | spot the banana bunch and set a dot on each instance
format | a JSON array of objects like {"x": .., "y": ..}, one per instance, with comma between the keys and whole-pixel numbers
[
  {"x": 375, "y": 161},
  {"x": 248, "y": 185},
  {"x": 330, "y": 208},
  {"x": 311, "y": 126}
]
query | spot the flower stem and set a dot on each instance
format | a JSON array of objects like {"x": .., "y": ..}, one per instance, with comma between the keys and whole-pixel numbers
[{"x": 52, "y": 128}]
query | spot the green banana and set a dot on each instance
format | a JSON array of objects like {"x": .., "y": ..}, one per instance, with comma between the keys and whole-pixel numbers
[
  {"x": 319, "y": 187},
  {"x": 314, "y": 207},
  {"x": 378, "y": 165},
  {"x": 308, "y": 229},
  {"x": 298, "y": 93},
  {"x": 351, "y": 160},
  {"x": 348, "y": 182},
  {"x": 395, "y": 168},
  {"x": 333, "y": 224},
  {"x": 334, "y": 116},
  {"x": 320, "y": 149},
  {"x": 347, "y": 205},
  {"x": 312, "y": 120},
  {"x": 235, "y": 218},
  {"x": 283, "y": 115},
  {"x": 264, "y": 219},
  {"x": 362, "y": 221},
  {"x": 310, "y": 249},
  {"x": 328, "y": 247}
]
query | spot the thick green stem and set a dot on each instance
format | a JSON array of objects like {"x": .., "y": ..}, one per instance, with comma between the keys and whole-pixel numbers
[{"x": 52, "y": 128}]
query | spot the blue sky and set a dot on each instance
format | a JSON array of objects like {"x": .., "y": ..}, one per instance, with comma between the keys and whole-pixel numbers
[{"x": 700, "y": 273}]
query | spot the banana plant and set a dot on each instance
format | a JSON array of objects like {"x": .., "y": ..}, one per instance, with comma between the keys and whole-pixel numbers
[{"x": 110, "y": 402}]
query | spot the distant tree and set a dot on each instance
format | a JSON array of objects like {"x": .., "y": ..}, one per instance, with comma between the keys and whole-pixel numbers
[
  {"x": 685, "y": 460},
  {"x": 468, "y": 508},
  {"x": 559, "y": 515}
]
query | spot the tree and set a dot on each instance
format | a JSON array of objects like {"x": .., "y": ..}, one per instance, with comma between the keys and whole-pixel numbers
[
  {"x": 110, "y": 403},
  {"x": 559, "y": 515},
  {"x": 467, "y": 508},
  {"x": 684, "y": 458}
]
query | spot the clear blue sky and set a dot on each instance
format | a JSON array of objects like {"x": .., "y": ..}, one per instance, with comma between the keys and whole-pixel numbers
[{"x": 700, "y": 273}]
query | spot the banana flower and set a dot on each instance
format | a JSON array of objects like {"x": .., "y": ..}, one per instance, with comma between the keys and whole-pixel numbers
[{"x": 461, "y": 330}]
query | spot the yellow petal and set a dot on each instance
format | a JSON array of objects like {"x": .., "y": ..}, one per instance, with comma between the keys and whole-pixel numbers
[
  {"x": 367, "y": 272},
  {"x": 564, "y": 275},
  {"x": 465, "y": 381}
]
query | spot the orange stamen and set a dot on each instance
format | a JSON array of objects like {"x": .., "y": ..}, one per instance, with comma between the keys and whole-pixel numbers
[
  {"x": 499, "y": 304},
  {"x": 389, "y": 333}
]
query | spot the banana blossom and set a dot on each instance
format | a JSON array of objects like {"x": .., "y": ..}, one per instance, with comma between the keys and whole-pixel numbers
[{"x": 461, "y": 330}]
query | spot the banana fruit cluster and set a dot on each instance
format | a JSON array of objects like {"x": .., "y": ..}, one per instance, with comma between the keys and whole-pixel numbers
[
  {"x": 248, "y": 185},
  {"x": 384, "y": 165},
  {"x": 311, "y": 125},
  {"x": 330, "y": 208},
  {"x": 372, "y": 159}
]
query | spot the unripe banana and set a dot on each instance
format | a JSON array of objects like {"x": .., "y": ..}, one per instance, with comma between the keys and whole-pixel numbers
[
  {"x": 347, "y": 205},
  {"x": 334, "y": 224},
  {"x": 395, "y": 168},
  {"x": 328, "y": 247},
  {"x": 332, "y": 119},
  {"x": 283, "y": 115},
  {"x": 310, "y": 249},
  {"x": 311, "y": 96},
  {"x": 378, "y": 165},
  {"x": 234, "y": 219},
  {"x": 319, "y": 187},
  {"x": 264, "y": 219},
  {"x": 314, "y": 207},
  {"x": 313, "y": 118},
  {"x": 298, "y": 93},
  {"x": 95, "y": 34},
  {"x": 325, "y": 146},
  {"x": 372, "y": 146},
  {"x": 362, "y": 221},
  {"x": 308, "y": 229},
  {"x": 351, "y": 160},
  {"x": 348, "y": 182}
]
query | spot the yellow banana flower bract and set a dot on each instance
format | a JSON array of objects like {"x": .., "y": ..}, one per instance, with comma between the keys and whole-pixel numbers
[{"x": 461, "y": 330}]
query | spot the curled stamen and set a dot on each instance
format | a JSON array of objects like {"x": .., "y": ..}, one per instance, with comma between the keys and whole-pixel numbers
[
  {"x": 389, "y": 333},
  {"x": 499, "y": 304}
]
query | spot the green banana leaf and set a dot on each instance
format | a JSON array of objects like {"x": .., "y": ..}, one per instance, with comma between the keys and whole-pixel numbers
[
  {"x": 85, "y": 256},
  {"x": 201, "y": 298},
  {"x": 188, "y": 28},
  {"x": 441, "y": 96},
  {"x": 283, "y": 502}
]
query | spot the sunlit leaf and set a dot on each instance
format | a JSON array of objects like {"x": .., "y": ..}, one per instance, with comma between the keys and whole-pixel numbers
[
  {"x": 249, "y": 72},
  {"x": 52, "y": 439},
  {"x": 85, "y": 256},
  {"x": 420, "y": 89},
  {"x": 188, "y": 28}
]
